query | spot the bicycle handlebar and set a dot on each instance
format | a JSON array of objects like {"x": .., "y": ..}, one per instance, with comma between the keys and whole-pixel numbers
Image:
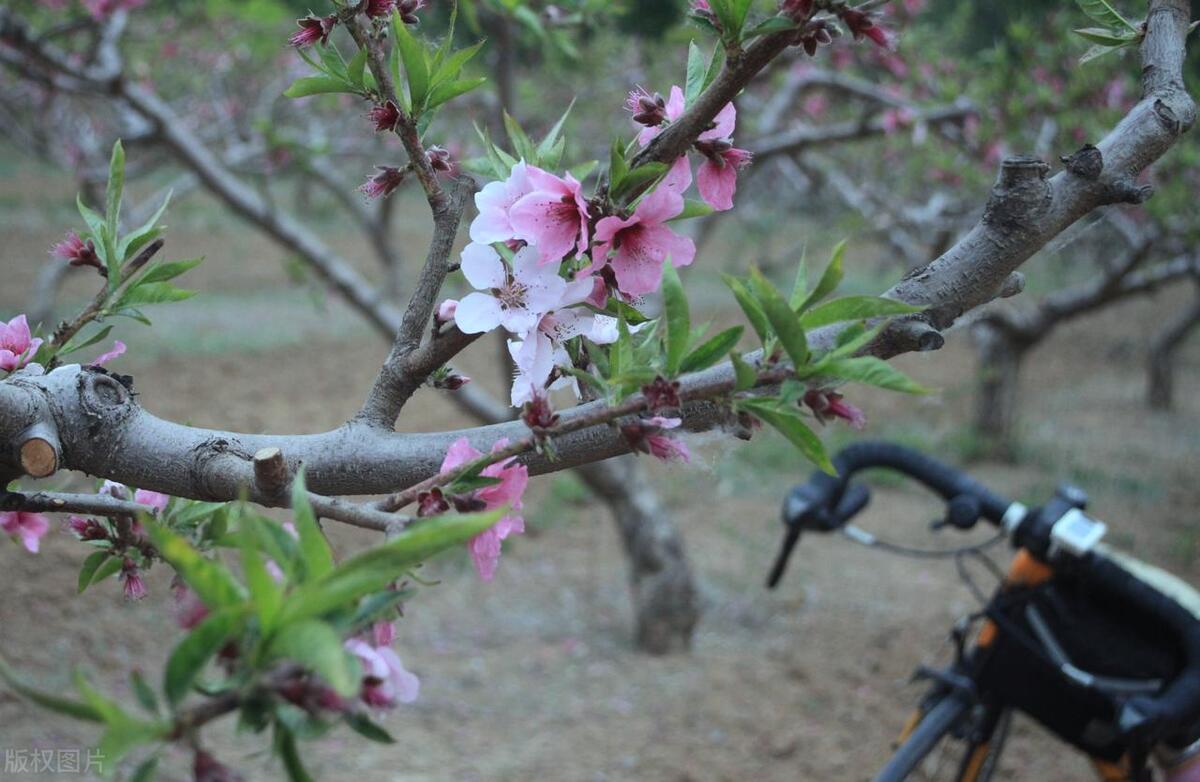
[{"x": 827, "y": 502}]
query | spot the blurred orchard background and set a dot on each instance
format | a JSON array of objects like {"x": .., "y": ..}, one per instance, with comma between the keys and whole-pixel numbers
[{"x": 1089, "y": 376}]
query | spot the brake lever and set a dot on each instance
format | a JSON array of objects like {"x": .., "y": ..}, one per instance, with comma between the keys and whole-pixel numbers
[{"x": 790, "y": 539}]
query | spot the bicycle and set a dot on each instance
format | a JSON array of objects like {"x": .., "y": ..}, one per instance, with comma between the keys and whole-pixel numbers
[{"x": 1099, "y": 648}]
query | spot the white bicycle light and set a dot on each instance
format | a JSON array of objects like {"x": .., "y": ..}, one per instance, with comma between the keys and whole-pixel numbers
[{"x": 1076, "y": 533}]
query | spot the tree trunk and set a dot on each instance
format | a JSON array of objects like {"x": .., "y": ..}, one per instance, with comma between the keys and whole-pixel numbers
[
  {"x": 1000, "y": 357},
  {"x": 666, "y": 602},
  {"x": 1160, "y": 361}
]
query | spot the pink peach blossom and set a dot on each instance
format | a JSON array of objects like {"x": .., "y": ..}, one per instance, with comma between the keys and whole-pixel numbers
[
  {"x": 118, "y": 349},
  {"x": 516, "y": 298},
  {"x": 494, "y": 203},
  {"x": 716, "y": 178},
  {"x": 29, "y": 527},
  {"x": 642, "y": 242},
  {"x": 553, "y": 218},
  {"x": 485, "y": 547},
  {"x": 17, "y": 344},
  {"x": 386, "y": 681}
]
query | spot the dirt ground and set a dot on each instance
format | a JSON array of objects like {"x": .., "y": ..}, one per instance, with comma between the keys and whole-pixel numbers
[{"x": 533, "y": 676}]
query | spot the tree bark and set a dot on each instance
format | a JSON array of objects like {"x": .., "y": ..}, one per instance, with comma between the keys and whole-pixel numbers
[
  {"x": 1160, "y": 361},
  {"x": 1000, "y": 359},
  {"x": 666, "y": 602}
]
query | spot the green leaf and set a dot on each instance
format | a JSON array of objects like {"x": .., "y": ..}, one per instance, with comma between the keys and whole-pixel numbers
[
  {"x": 697, "y": 69},
  {"x": 784, "y": 321},
  {"x": 792, "y": 426},
  {"x": 285, "y": 747},
  {"x": 121, "y": 737},
  {"x": 132, "y": 242},
  {"x": 548, "y": 144},
  {"x": 116, "y": 187},
  {"x": 191, "y": 654},
  {"x": 772, "y": 24},
  {"x": 146, "y": 771},
  {"x": 316, "y": 646},
  {"x": 153, "y": 293},
  {"x": 800, "y": 286},
  {"x": 450, "y": 90},
  {"x": 314, "y": 548},
  {"x": 363, "y": 726},
  {"x": 375, "y": 569},
  {"x": 357, "y": 67},
  {"x": 211, "y": 580},
  {"x": 1102, "y": 11},
  {"x": 264, "y": 591},
  {"x": 617, "y": 167},
  {"x": 88, "y": 571},
  {"x": 746, "y": 375},
  {"x": 169, "y": 270},
  {"x": 679, "y": 322},
  {"x": 750, "y": 306},
  {"x": 830, "y": 279},
  {"x": 50, "y": 701},
  {"x": 316, "y": 85},
  {"x": 143, "y": 692},
  {"x": 854, "y": 339},
  {"x": 107, "y": 569},
  {"x": 94, "y": 220},
  {"x": 1096, "y": 51},
  {"x": 1105, "y": 37},
  {"x": 871, "y": 371},
  {"x": 634, "y": 183},
  {"x": 854, "y": 308},
  {"x": 691, "y": 209},
  {"x": 520, "y": 140},
  {"x": 711, "y": 351}
]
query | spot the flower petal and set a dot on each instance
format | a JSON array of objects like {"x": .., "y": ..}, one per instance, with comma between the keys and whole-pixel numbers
[
  {"x": 478, "y": 313},
  {"x": 482, "y": 266}
]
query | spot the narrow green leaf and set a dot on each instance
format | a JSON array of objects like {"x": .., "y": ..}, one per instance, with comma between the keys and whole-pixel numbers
[
  {"x": 47, "y": 700},
  {"x": 285, "y": 747},
  {"x": 375, "y": 569},
  {"x": 132, "y": 242},
  {"x": 1105, "y": 37},
  {"x": 745, "y": 374},
  {"x": 784, "y": 321},
  {"x": 679, "y": 321},
  {"x": 791, "y": 426},
  {"x": 1102, "y": 11},
  {"x": 153, "y": 293},
  {"x": 854, "y": 308},
  {"x": 872, "y": 371},
  {"x": 169, "y": 270},
  {"x": 314, "y": 548},
  {"x": 553, "y": 136},
  {"x": 357, "y": 68},
  {"x": 520, "y": 140},
  {"x": 750, "y": 306},
  {"x": 712, "y": 350},
  {"x": 772, "y": 24},
  {"x": 108, "y": 568},
  {"x": 800, "y": 286},
  {"x": 191, "y": 654},
  {"x": 697, "y": 69},
  {"x": 264, "y": 591},
  {"x": 146, "y": 771},
  {"x": 143, "y": 692},
  {"x": 617, "y": 167},
  {"x": 211, "y": 580},
  {"x": 450, "y": 90},
  {"x": 116, "y": 187},
  {"x": 94, "y": 220},
  {"x": 363, "y": 726},
  {"x": 316, "y": 646},
  {"x": 88, "y": 571},
  {"x": 316, "y": 85},
  {"x": 830, "y": 279},
  {"x": 691, "y": 209},
  {"x": 634, "y": 183}
]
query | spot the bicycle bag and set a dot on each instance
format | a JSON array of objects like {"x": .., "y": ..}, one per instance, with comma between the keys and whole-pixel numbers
[{"x": 1068, "y": 655}]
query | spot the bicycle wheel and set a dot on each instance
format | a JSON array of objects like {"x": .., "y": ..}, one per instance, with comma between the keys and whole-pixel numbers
[{"x": 950, "y": 744}]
